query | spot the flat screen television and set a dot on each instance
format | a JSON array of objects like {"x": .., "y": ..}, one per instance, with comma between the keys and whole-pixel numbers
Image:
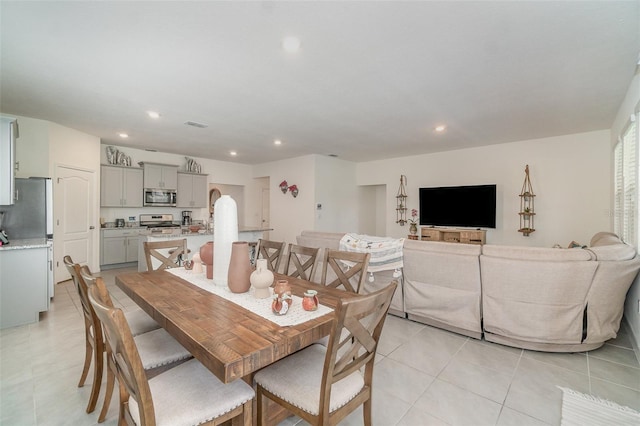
[{"x": 469, "y": 206}]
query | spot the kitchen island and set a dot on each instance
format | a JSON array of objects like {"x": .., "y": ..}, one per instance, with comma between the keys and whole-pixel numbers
[
  {"x": 26, "y": 281},
  {"x": 195, "y": 240}
]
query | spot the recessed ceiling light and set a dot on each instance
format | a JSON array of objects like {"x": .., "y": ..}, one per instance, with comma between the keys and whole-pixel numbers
[
  {"x": 233, "y": 153},
  {"x": 291, "y": 44},
  {"x": 277, "y": 142},
  {"x": 153, "y": 114},
  {"x": 123, "y": 135},
  {"x": 441, "y": 128}
]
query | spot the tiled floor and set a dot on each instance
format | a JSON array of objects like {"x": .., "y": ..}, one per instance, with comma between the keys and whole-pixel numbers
[{"x": 423, "y": 376}]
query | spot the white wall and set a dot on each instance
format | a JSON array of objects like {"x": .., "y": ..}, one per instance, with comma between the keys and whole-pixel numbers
[
  {"x": 290, "y": 216},
  {"x": 630, "y": 105},
  {"x": 570, "y": 177}
]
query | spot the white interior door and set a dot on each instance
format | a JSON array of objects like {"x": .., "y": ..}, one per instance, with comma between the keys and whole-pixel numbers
[
  {"x": 74, "y": 230},
  {"x": 264, "y": 219}
]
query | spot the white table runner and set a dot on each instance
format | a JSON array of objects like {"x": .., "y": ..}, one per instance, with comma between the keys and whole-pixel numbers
[{"x": 262, "y": 307}]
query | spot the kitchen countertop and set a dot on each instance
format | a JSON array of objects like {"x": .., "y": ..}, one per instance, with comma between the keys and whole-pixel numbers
[
  {"x": 26, "y": 244},
  {"x": 186, "y": 233}
]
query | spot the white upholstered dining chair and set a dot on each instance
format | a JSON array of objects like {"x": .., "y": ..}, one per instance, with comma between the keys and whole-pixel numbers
[
  {"x": 321, "y": 384},
  {"x": 188, "y": 394}
]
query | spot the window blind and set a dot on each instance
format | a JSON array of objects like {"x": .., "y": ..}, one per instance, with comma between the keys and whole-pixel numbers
[{"x": 626, "y": 184}]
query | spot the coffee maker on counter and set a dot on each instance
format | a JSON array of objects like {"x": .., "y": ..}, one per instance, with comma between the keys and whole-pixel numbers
[{"x": 186, "y": 217}]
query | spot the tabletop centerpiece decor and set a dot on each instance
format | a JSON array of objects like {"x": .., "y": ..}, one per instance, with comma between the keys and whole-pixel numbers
[
  {"x": 261, "y": 279},
  {"x": 206, "y": 258},
  {"x": 225, "y": 232},
  {"x": 239, "y": 268},
  {"x": 197, "y": 263},
  {"x": 310, "y": 300},
  {"x": 281, "y": 303}
]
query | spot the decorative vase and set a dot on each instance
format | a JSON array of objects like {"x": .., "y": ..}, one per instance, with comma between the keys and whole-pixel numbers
[
  {"x": 281, "y": 303},
  {"x": 197, "y": 263},
  {"x": 239, "y": 274},
  {"x": 310, "y": 300},
  {"x": 206, "y": 257},
  {"x": 282, "y": 287},
  {"x": 413, "y": 229},
  {"x": 261, "y": 279},
  {"x": 225, "y": 232}
]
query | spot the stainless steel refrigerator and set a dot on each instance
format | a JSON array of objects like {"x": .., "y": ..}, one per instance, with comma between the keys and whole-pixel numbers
[{"x": 31, "y": 216}]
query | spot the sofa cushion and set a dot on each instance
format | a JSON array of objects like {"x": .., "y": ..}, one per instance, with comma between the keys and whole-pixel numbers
[
  {"x": 618, "y": 251},
  {"x": 537, "y": 253},
  {"x": 604, "y": 239}
]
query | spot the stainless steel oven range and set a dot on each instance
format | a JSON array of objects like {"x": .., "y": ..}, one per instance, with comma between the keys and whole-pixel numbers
[{"x": 160, "y": 223}]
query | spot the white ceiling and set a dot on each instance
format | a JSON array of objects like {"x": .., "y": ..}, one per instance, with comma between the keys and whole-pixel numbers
[{"x": 371, "y": 81}]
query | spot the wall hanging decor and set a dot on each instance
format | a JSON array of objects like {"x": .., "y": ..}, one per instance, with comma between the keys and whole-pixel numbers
[
  {"x": 294, "y": 190},
  {"x": 527, "y": 210},
  {"x": 284, "y": 186},
  {"x": 401, "y": 202}
]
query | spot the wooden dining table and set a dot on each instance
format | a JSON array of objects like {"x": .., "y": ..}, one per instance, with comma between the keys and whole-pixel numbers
[{"x": 228, "y": 339}]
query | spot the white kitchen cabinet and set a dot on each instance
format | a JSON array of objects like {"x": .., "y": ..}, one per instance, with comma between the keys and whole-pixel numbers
[
  {"x": 160, "y": 176},
  {"x": 120, "y": 186},
  {"x": 8, "y": 135},
  {"x": 119, "y": 246},
  {"x": 192, "y": 190},
  {"x": 24, "y": 293}
]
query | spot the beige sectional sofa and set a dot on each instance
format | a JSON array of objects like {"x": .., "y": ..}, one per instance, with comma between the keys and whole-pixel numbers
[{"x": 548, "y": 299}]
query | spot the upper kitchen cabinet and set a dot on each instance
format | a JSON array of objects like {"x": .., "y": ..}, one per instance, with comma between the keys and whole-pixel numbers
[
  {"x": 160, "y": 176},
  {"x": 192, "y": 190},
  {"x": 8, "y": 135},
  {"x": 120, "y": 186}
]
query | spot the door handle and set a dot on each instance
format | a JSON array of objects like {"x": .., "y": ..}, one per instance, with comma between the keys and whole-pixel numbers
[{"x": 92, "y": 227}]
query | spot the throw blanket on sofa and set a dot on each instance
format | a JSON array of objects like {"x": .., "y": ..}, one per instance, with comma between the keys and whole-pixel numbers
[{"x": 386, "y": 253}]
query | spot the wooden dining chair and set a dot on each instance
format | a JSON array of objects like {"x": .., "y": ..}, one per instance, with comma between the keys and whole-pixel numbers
[
  {"x": 301, "y": 262},
  {"x": 94, "y": 343},
  {"x": 169, "y": 253},
  {"x": 272, "y": 251},
  {"x": 158, "y": 350},
  {"x": 188, "y": 394},
  {"x": 349, "y": 275},
  {"x": 322, "y": 385}
]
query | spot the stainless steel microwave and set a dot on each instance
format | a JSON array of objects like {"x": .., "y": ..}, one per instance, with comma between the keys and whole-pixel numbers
[{"x": 159, "y": 198}]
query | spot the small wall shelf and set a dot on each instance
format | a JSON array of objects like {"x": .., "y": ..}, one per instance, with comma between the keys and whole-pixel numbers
[
  {"x": 401, "y": 202},
  {"x": 527, "y": 208}
]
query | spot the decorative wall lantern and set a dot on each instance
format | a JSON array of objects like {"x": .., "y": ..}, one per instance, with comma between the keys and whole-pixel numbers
[
  {"x": 527, "y": 208},
  {"x": 401, "y": 202}
]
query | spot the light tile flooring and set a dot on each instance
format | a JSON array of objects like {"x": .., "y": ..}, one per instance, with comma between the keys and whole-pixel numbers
[{"x": 423, "y": 375}]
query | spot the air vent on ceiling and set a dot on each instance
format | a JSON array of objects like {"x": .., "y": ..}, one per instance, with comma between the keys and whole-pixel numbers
[
  {"x": 333, "y": 155},
  {"x": 196, "y": 124}
]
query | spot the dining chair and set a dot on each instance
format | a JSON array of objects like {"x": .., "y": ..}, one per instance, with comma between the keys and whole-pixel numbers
[
  {"x": 272, "y": 251},
  {"x": 188, "y": 394},
  {"x": 301, "y": 262},
  {"x": 322, "y": 385},
  {"x": 158, "y": 350},
  {"x": 169, "y": 253},
  {"x": 349, "y": 269},
  {"x": 94, "y": 343}
]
